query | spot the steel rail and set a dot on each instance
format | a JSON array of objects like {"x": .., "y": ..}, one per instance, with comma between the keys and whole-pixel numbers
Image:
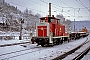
[
  {"x": 69, "y": 52},
  {"x": 13, "y": 44},
  {"x": 82, "y": 54},
  {"x": 19, "y": 52}
]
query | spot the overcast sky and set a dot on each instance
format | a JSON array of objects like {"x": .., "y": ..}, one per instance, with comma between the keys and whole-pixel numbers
[{"x": 69, "y": 8}]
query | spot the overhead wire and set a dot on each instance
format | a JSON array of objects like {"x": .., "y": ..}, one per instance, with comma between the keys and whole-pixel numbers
[
  {"x": 61, "y": 10},
  {"x": 45, "y": 6},
  {"x": 66, "y": 7},
  {"x": 59, "y": 6},
  {"x": 66, "y": 4},
  {"x": 63, "y": 7},
  {"x": 71, "y": 7},
  {"x": 68, "y": 10},
  {"x": 27, "y": 7},
  {"x": 83, "y": 5},
  {"x": 37, "y": 3},
  {"x": 44, "y": 2},
  {"x": 56, "y": 7},
  {"x": 80, "y": 2},
  {"x": 89, "y": 8}
]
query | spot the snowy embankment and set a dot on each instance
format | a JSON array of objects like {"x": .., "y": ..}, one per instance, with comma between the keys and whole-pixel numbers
[
  {"x": 3, "y": 42},
  {"x": 38, "y": 52},
  {"x": 15, "y": 37}
]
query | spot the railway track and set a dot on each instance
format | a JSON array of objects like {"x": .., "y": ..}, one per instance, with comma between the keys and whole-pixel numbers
[
  {"x": 13, "y": 44},
  {"x": 66, "y": 54},
  {"x": 82, "y": 54},
  {"x": 19, "y": 53},
  {"x": 15, "y": 54}
]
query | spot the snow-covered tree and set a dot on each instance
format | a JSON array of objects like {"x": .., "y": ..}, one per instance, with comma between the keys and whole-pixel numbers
[{"x": 11, "y": 16}]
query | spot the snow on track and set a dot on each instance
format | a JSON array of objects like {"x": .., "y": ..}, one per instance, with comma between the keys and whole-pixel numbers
[
  {"x": 46, "y": 53},
  {"x": 77, "y": 52},
  {"x": 2, "y": 42}
]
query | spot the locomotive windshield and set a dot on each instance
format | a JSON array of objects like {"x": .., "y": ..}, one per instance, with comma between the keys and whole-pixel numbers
[
  {"x": 42, "y": 21},
  {"x": 51, "y": 19}
]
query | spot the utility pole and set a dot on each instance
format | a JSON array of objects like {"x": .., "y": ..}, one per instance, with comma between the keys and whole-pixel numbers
[
  {"x": 21, "y": 22},
  {"x": 74, "y": 25},
  {"x": 74, "y": 20},
  {"x": 89, "y": 9}
]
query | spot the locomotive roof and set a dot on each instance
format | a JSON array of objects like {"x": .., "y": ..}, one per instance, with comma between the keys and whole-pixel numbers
[{"x": 42, "y": 18}]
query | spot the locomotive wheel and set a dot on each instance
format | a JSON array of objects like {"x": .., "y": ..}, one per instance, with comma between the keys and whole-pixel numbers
[
  {"x": 61, "y": 41},
  {"x": 42, "y": 45},
  {"x": 51, "y": 45},
  {"x": 58, "y": 41}
]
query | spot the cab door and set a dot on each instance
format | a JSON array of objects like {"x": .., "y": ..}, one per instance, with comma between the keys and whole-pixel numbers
[{"x": 42, "y": 31}]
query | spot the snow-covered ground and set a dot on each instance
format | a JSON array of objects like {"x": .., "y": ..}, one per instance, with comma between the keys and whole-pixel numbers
[
  {"x": 9, "y": 33},
  {"x": 34, "y": 52},
  {"x": 2, "y": 42},
  {"x": 15, "y": 37},
  {"x": 25, "y": 37},
  {"x": 77, "y": 52}
]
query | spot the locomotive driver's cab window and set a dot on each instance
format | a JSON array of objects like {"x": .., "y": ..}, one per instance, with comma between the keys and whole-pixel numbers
[
  {"x": 50, "y": 20},
  {"x": 58, "y": 21},
  {"x": 42, "y": 21}
]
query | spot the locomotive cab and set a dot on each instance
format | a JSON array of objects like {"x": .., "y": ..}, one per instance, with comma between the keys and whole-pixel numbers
[
  {"x": 53, "y": 24},
  {"x": 46, "y": 26}
]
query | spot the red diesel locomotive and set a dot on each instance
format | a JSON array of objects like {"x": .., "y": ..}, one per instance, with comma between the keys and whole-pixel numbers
[{"x": 49, "y": 31}]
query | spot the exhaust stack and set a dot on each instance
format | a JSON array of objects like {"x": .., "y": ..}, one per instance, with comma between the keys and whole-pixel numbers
[{"x": 49, "y": 9}]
